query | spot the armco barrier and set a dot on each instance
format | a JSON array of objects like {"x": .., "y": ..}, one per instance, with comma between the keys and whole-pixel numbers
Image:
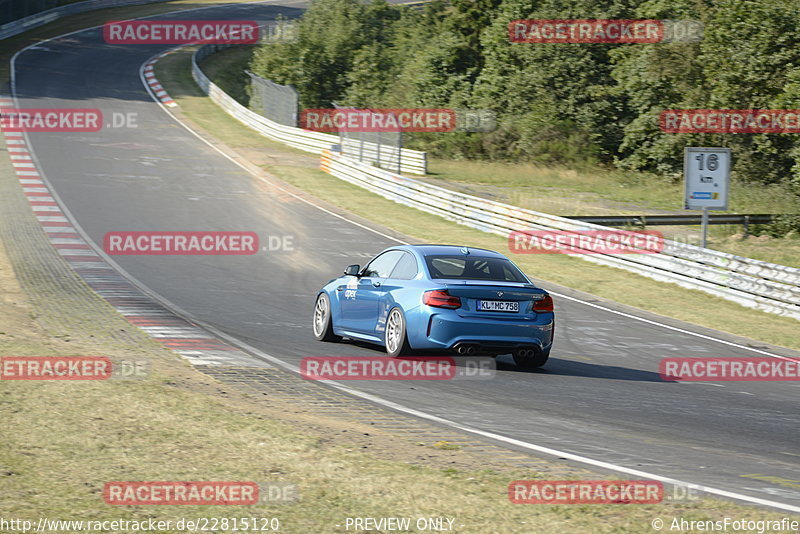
[
  {"x": 15, "y": 27},
  {"x": 757, "y": 284},
  {"x": 411, "y": 161},
  {"x": 761, "y": 285}
]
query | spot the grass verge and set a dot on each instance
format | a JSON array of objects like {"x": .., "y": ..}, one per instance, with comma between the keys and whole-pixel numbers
[
  {"x": 596, "y": 191},
  {"x": 568, "y": 192}
]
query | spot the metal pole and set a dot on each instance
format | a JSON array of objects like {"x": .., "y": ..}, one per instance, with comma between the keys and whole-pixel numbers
[
  {"x": 704, "y": 223},
  {"x": 399, "y": 151},
  {"x": 379, "y": 149}
]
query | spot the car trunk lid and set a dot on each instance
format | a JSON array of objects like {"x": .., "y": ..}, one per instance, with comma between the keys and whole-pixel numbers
[{"x": 489, "y": 298}]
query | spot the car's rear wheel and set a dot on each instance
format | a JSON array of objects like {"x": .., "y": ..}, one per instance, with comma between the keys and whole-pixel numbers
[
  {"x": 527, "y": 359},
  {"x": 323, "y": 323},
  {"x": 395, "y": 337}
]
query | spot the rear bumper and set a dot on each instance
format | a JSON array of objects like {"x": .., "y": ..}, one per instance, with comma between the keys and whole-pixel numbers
[{"x": 446, "y": 330}]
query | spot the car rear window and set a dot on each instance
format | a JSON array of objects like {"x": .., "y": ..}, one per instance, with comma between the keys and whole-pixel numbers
[{"x": 475, "y": 268}]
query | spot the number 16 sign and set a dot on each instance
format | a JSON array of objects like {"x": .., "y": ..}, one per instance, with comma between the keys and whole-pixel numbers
[{"x": 706, "y": 174}]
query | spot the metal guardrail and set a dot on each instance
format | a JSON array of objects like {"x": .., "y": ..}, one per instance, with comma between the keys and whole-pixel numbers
[
  {"x": 411, "y": 161},
  {"x": 22, "y": 25},
  {"x": 672, "y": 220},
  {"x": 753, "y": 283}
]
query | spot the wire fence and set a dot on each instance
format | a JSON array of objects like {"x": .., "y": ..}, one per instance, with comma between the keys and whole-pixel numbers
[
  {"x": 273, "y": 101},
  {"x": 411, "y": 161},
  {"x": 380, "y": 148}
]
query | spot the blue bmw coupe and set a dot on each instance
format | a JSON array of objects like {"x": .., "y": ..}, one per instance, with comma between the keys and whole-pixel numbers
[{"x": 439, "y": 297}]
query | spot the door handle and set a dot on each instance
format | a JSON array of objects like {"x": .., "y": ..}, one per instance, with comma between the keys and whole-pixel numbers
[{"x": 376, "y": 284}]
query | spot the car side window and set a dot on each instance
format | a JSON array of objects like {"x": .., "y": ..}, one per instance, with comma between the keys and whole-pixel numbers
[
  {"x": 381, "y": 267},
  {"x": 406, "y": 268}
]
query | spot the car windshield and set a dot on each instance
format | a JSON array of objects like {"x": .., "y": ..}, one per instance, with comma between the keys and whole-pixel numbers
[{"x": 474, "y": 268}]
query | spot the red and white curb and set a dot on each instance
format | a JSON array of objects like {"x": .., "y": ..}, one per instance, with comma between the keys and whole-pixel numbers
[
  {"x": 153, "y": 83},
  {"x": 192, "y": 342}
]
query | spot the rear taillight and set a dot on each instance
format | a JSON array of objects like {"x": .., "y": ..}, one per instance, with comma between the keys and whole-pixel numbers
[
  {"x": 543, "y": 306},
  {"x": 440, "y": 298}
]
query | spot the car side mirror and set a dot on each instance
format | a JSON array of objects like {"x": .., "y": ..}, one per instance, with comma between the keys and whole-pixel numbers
[{"x": 352, "y": 270}]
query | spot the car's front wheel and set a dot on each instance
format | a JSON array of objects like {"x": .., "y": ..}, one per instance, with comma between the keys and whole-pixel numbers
[
  {"x": 323, "y": 323},
  {"x": 395, "y": 337}
]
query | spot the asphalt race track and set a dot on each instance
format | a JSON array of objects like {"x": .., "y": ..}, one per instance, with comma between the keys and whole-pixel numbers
[{"x": 600, "y": 395}]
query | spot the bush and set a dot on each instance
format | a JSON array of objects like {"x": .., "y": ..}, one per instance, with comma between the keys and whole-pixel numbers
[{"x": 781, "y": 226}]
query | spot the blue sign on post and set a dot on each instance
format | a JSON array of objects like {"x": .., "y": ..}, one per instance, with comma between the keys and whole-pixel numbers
[{"x": 706, "y": 173}]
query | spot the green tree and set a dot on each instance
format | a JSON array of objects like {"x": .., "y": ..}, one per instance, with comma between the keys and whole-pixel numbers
[{"x": 559, "y": 103}]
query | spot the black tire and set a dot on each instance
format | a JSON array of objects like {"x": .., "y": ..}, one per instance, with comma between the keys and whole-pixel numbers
[
  {"x": 528, "y": 363},
  {"x": 396, "y": 328},
  {"x": 322, "y": 324}
]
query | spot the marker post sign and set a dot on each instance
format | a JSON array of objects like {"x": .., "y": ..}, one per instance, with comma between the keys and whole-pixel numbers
[{"x": 706, "y": 174}]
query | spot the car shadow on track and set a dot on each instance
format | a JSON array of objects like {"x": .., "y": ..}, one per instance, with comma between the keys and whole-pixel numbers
[
  {"x": 554, "y": 366},
  {"x": 563, "y": 367}
]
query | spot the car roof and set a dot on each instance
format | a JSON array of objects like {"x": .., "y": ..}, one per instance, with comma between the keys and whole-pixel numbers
[{"x": 445, "y": 250}]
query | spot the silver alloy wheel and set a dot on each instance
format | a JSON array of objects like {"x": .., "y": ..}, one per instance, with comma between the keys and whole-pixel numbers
[
  {"x": 320, "y": 315},
  {"x": 394, "y": 330}
]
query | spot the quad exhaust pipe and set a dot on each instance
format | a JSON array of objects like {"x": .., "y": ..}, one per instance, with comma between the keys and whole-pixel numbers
[{"x": 466, "y": 349}]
